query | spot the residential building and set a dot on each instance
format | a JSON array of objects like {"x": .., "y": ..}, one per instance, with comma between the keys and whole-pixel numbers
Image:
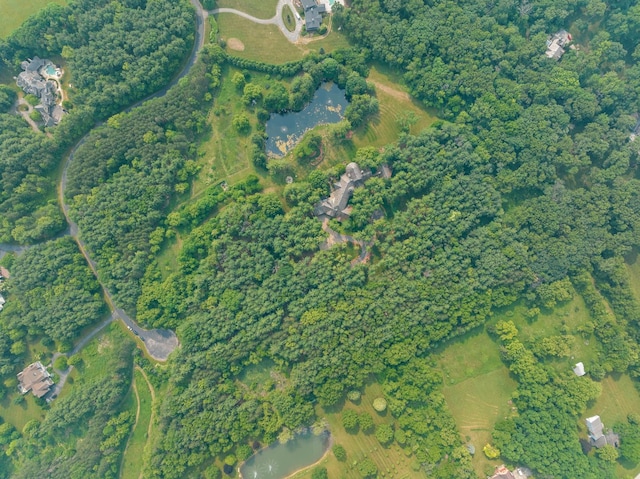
[
  {"x": 313, "y": 14},
  {"x": 598, "y": 437},
  {"x": 33, "y": 82},
  {"x": 555, "y": 44},
  {"x": 336, "y": 205},
  {"x": 4, "y": 273},
  {"x": 502, "y": 472},
  {"x": 35, "y": 378}
]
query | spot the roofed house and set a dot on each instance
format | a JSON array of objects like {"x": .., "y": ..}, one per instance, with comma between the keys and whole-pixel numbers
[
  {"x": 336, "y": 204},
  {"x": 502, "y": 472},
  {"x": 313, "y": 14},
  {"x": 35, "y": 378},
  {"x": 597, "y": 435},
  {"x": 579, "y": 369},
  {"x": 555, "y": 44},
  {"x": 33, "y": 82},
  {"x": 4, "y": 273}
]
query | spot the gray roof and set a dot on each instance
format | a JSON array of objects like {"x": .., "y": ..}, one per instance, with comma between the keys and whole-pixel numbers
[{"x": 337, "y": 202}]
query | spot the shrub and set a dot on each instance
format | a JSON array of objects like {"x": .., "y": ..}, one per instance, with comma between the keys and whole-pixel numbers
[
  {"x": 339, "y": 452},
  {"x": 350, "y": 421},
  {"x": 384, "y": 434},
  {"x": 380, "y": 404},
  {"x": 60, "y": 363}
]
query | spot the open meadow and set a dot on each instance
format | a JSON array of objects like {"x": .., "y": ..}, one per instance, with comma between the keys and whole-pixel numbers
[
  {"x": 15, "y": 12},
  {"x": 132, "y": 462},
  {"x": 259, "y": 9}
]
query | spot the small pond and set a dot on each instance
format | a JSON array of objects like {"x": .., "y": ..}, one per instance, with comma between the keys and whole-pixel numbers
[
  {"x": 284, "y": 131},
  {"x": 281, "y": 460}
]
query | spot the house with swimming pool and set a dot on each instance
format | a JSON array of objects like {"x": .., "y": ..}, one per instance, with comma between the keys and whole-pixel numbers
[{"x": 40, "y": 78}]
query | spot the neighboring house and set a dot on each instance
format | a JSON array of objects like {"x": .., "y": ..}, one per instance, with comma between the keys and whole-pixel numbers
[
  {"x": 313, "y": 14},
  {"x": 2, "y": 301},
  {"x": 555, "y": 44},
  {"x": 4, "y": 273},
  {"x": 33, "y": 82},
  {"x": 597, "y": 435},
  {"x": 502, "y": 472},
  {"x": 35, "y": 378},
  {"x": 579, "y": 369}
]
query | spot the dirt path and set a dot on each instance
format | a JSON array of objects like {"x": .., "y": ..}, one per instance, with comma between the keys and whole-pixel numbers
[
  {"x": 397, "y": 94},
  {"x": 153, "y": 401},
  {"x": 135, "y": 424}
]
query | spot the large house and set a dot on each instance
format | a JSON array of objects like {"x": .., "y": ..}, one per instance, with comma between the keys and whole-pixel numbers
[
  {"x": 33, "y": 82},
  {"x": 313, "y": 14},
  {"x": 597, "y": 435},
  {"x": 35, "y": 378},
  {"x": 556, "y": 43},
  {"x": 336, "y": 205}
]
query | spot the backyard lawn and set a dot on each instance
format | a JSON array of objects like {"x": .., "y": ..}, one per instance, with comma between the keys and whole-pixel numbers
[{"x": 15, "y": 12}]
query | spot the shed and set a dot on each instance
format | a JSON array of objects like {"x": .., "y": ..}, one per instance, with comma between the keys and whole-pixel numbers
[{"x": 579, "y": 369}]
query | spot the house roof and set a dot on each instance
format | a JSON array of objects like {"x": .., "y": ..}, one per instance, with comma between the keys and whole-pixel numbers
[
  {"x": 35, "y": 378},
  {"x": 502, "y": 472},
  {"x": 4, "y": 272},
  {"x": 595, "y": 426}
]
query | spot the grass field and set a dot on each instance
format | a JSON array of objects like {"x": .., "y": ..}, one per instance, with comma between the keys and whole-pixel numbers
[
  {"x": 289, "y": 18},
  {"x": 634, "y": 277},
  {"x": 133, "y": 457},
  {"x": 15, "y": 12},
  {"x": 20, "y": 414},
  {"x": 396, "y": 107},
  {"x": 258, "y": 9},
  {"x": 391, "y": 461},
  {"x": 476, "y": 404},
  {"x": 267, "y": 43}
]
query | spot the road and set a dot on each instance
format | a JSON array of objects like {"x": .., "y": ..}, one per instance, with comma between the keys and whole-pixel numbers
[
  {"x": 335, "y": 237},
  {"x": 277, "y": 19},
  {"x": 159, "y": 343}
]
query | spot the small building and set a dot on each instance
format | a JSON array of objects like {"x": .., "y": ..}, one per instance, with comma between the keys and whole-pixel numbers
[
  {"x": 313, "y": 14},
  {"x": 502, "y": 472},
  {"x": 598, "y": 437},
  {"x": 2, "y": 301},
  {"x": 555, "y": 44},
  {"x": 579, "y": 369},
  {"x": 35, "y": 378}
]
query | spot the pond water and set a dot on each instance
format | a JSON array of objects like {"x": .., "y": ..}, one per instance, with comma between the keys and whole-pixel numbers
[
  {"x": 281, "y": 460},
  {"x": 284, "y": 131}
]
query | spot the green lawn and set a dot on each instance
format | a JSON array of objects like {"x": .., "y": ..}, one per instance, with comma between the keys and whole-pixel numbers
[
  {"x": 477, "y": 403},
  {"x": 266, "y": 43},
  {"x": 391, "y": 461},
  {"x": 256, "y": 8},
  {"x": 20, "y": 414},
  {"x": 289, "y": 18},
  {"x": 634, "y": 277},
  {"x": 133, "y": 458},
  {"x": 396, "y": 107},
  {"x": 15, "y": 12}
]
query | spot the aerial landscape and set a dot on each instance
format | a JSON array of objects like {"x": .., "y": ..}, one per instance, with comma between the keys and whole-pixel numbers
[{"x": 319, "y": 239}]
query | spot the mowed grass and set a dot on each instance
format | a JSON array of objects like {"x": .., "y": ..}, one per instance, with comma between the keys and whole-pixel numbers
[
  {"x": 477, "y": 389},
  {"x": 20, "y": 414},
  {"x": 391, "y": 461},
  {"x": 476, "y": 405},
  {"x": 266, "y": 43},
  {"x": 256, "y": 8},
  {"x": 396, "y": 107},
  {"x": 133, "y": 456},
  {"x": 14, "y": 12},
  {"x": 634, "y": 277}
]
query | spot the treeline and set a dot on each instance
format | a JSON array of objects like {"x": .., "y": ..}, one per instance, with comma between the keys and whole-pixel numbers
[
  {"x": 126, "y": 173},
  {"x": 543, "y": 435}
]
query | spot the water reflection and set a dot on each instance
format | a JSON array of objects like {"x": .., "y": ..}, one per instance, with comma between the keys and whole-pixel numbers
[{"x": 284, "y": 131}]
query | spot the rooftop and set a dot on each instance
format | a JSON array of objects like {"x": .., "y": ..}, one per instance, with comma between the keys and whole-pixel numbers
[{"x": 35, "y": 378}]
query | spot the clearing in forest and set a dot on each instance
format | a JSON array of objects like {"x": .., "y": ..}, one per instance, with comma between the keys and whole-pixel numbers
[
  {"x": 264, "y": 9},
  {"x": 132, "y": 463}
]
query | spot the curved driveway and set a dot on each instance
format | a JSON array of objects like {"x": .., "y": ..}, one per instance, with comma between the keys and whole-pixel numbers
[
  {"x": 159, "y": 343},
  {"x": 276, "y": 20}
]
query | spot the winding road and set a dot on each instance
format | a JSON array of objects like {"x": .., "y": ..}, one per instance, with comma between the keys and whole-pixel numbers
[
  {"x": 277, "y": 19},
  {"x": 159, "y": 343}
]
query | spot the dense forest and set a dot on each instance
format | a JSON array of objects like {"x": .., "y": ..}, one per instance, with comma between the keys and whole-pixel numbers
[
  {"x": 526, "y": 191},
  {"x": 119, "y": 52}
]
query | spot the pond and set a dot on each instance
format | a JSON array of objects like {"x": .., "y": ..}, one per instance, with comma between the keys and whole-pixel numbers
[
  {"x": 281, "y": 460},
  {"x": 284, "y": 131}
]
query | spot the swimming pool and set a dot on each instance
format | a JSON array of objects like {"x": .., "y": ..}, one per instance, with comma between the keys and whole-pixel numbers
[{"x": 51, "y": 71}]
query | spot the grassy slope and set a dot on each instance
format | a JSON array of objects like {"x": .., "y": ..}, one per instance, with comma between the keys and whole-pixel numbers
[
  {"x": 267, "y": 43},
  {"x": 133, "y": 458},
  {"x": 359, "y": 446},
  {"x": 14, "y": 12}
]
